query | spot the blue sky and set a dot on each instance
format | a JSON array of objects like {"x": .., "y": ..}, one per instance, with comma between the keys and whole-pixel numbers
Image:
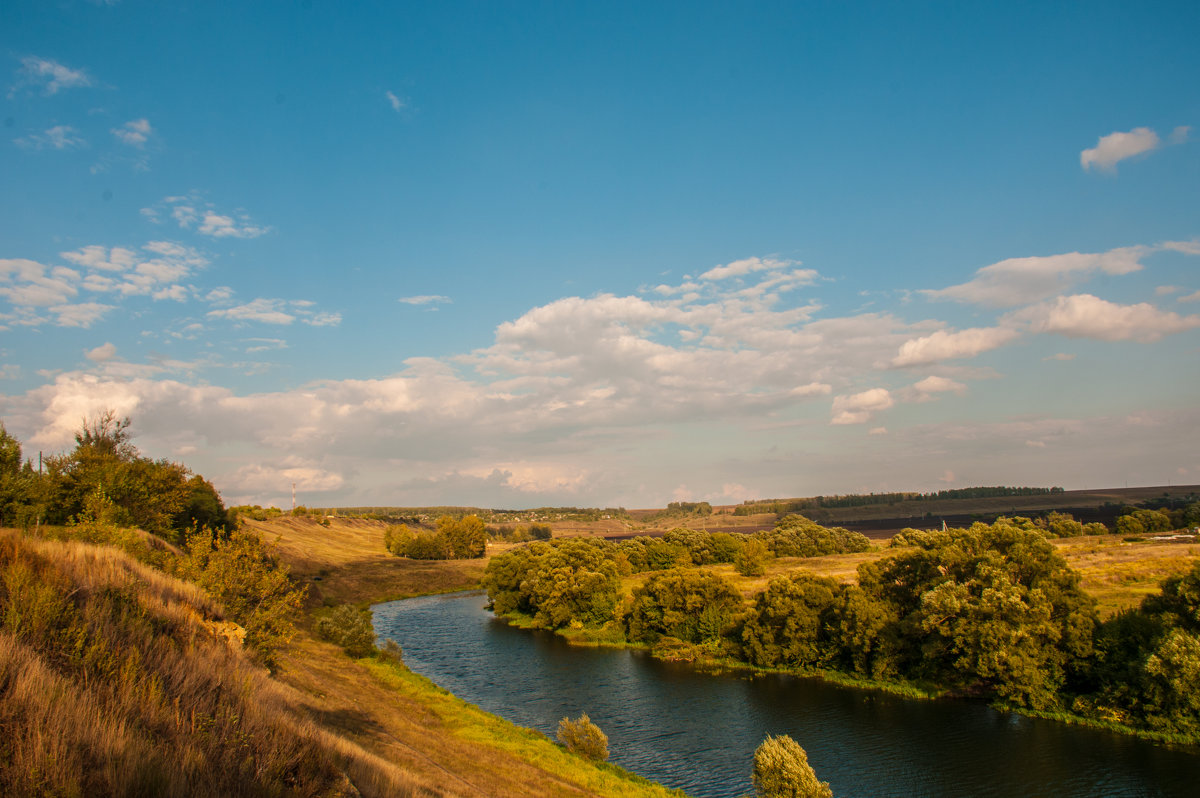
[{"x": 521, "y": 254}]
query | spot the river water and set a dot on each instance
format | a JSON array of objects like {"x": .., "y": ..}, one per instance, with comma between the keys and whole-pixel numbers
[{"x": 698, "y": 731}]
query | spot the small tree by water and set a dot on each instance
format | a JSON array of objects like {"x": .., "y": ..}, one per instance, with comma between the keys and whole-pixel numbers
[
  {"x": 583, "y": 737},
  {"x": 781, "y": 770}
]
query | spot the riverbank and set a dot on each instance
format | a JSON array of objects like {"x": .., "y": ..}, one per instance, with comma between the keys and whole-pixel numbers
[{"x": 446, "y": 746}]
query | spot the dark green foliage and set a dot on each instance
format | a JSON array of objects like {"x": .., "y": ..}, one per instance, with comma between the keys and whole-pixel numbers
[
  {"x": 684, "y": 603},
  {"x": 992, "y": 609},
  {"x": 1138, "y": 522},
  {"x": 790, "y": 624},
  {"x": 797, "y": 536},
  {"x": 203, "y": 507},
  {"x": 350, "y": 628},
  {"x": 1148, "y": 662},
  {"x": 561, "y": 583},
  {"x": 245, "y": 578}
]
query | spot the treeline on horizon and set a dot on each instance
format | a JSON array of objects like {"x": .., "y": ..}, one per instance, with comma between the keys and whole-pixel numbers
[
  {"x": 785, "y": 506},
  {"x": 991, "y": 611},
  {"x": 426, "y": 515}
]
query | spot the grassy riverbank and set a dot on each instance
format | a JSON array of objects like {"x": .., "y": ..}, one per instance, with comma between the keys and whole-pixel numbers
[{"x": 446, "y": 746}]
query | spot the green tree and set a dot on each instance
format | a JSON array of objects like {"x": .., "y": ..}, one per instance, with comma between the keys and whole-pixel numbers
[
  {"x": 244, "y": 576},
  {"x": 463, "y": 538},
  {"x": 781, "y": 770},
  {"x": 685, "y": 603},
  {"x": 789, "y": 623},
  {"x": 752, "y": 559},
  {"x": 583, "y": 737}
]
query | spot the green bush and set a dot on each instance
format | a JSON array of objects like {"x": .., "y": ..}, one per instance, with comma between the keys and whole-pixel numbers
[
  {"x": 781, "y": 770},
  {"x": 349, "y": 628},
  {"x": 583, "y": 737}
]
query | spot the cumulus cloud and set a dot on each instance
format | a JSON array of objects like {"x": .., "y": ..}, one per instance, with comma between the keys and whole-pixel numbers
[
  {"x": 394, "y": 101},
  {"x": 859, "y": 408},
  {"x": 135, "y": 132},
  {"x": 49, "y": 75},
  {"x": 943, "y": 345},
  {"x": 927, "y": 389},
  {"x": 1087, "y": 316},
  {"x": 1018, "y": 281},
  {"x": 102, "y": 353}
]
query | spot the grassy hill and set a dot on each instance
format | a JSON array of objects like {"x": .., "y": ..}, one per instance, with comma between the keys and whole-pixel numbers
[{"x": 118, "y": 679}]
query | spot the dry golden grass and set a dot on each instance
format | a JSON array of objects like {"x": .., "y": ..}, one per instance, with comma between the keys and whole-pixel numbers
[
  {"x": 346, "y": 562},
  {"x": 444, "y": 747},
  {"x": 113, "y": 681},
  {"x": 1119, "y": 574}
]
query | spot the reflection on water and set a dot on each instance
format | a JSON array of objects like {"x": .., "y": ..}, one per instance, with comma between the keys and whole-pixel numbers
[{"x": 698, "y": 732}]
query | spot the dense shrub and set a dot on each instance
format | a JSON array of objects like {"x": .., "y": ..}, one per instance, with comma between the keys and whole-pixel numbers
[
  {"x": 797, "y": 536},
  {"x": 781, "y": 770},
  {"x": 244, "y": 576},
  {"x": 685, "y": 603},
  {"x": 583, "y": 737},
  {"x": 454, "y": 539},
  {"x": 349, "y": 628}
]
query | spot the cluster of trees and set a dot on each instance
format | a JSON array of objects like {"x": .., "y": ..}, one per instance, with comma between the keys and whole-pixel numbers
[
  {"x": 1138, "y": 522},
  {"x": 519, "y": 533},
  {"x": 991, "y": 611},
  {"x": 574, "y": 582},
  {"x": 452, "y": 539},
  {"x": 159, "y": 496},
  {"x": 1147, "y": 662},
  {"x": 1064, "y": 525}
]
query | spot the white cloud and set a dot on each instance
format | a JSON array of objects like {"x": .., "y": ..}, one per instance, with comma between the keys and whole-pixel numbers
[
  {"x": 267, "y": 311},
  {"x": 59, "y": 137},
  {"x": 877, "y": 431},
  {"x": 942, "y": 345},
  {"x": 1087, "y": 316},
  {"x": 393, "y": 100},
  {"x": 192, "y": 211},
  {"x": 425, "y": 299},
  {"x": 927, "y": 389},
  {"x": 264, "y": 344},
  {"x": 1116, "y": 147},
  {"x": 158, "y": 271},
  {"x": 747, "y": 266},
  {"x": 1018, "y": 281},
  {"x": 50, "y": 75},
  {"x": 533, "y": 477},
  {"x": 1193, "y": 297},
  {"x": 1063, "y": 356},
  {"x": 860, "y": 407},
  {"x": 267, "y": 478},
  {"x": 81, "y": 314},
  {"x": 275, "y": 311},
  {"x": 102, "y": 353},
  {"x": 1180, "y": 134},
  {"x": 135, "y": 132}
]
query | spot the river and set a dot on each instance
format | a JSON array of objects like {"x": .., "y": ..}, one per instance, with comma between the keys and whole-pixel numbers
[{"x": 698, "y": 731}]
